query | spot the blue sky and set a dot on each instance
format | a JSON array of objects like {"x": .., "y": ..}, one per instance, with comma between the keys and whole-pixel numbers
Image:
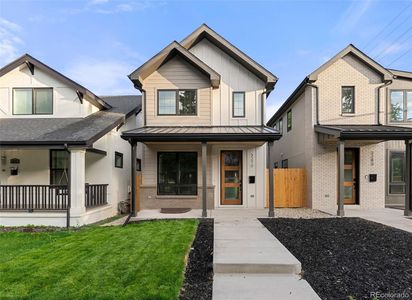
[{"x": 99, "y": 42}]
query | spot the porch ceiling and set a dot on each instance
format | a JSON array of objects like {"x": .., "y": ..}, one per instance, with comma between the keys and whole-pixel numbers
[
  {"x": 365, "y": 132},
  {"x": 201, "y": 134}
]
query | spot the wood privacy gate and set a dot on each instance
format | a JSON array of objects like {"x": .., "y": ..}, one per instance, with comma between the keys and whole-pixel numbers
[{"x": 289, "y": 187}]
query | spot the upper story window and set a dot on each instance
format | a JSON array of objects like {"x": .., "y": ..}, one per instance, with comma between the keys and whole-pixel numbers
[
  {"x": 348, "y": 99},
  {"x": 118, "y": 160},
  {"x": 279, "y": 126},
  {"x": 401, "y": 106},
  {"x": 289, "y": 120},
  {"x": 177, "y": 102},
  {"x": 32, "y": 101},
  {"x": 238, "y": 104}
]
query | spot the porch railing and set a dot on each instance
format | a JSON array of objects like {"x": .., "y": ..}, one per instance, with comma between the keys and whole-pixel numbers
[
  {"x": 33, "y": 197},
  {"x": 96, "y": 195}
]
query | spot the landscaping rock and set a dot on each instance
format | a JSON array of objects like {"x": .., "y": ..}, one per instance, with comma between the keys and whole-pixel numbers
[{"x": 349, "y": 257}]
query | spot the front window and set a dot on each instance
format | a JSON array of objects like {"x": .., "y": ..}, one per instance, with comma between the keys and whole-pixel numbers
[
  {"x": 289, "y": 120},
  {"x": 36, "y": 101},
  {"x": 177, "y": 173},
  {"x": 238, "y": 104},
  {"x": 348, "y": 100},
  {"x": 177, "y": 102},
  {"x": 396, "y": 173},
  {"x": 401, "y": 106},
  {"x": 59, "y": 164}
]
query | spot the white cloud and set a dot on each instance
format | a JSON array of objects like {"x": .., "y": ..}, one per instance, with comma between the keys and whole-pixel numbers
[
  {"x": 352, "y": 15},
  {"x": 9, "y": 41},
  {"x": 103, "y": 77}
]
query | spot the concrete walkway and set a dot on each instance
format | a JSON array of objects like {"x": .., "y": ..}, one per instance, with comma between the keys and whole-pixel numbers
[
  {"x": 387, "y": 216},
  {"x": 250, "y": 263}
]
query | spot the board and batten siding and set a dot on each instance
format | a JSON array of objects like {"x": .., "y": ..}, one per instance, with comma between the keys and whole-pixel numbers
[
  {"x": 178, "y": 74},
  {"x": 234, "y": 77},
  {"x": 65, "y": 100}
]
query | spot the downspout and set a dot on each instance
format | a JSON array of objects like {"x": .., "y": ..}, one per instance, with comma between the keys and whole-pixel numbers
[
  {"x": 68, "y": 187},
  {"x": 262, "y": 111},
  {"x": 316, "y": 101},
  {"x": 387, "y": 82}
]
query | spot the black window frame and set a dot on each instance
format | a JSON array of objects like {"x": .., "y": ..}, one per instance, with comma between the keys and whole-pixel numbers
[
  {"x": 177, "y": 102},
  {"x": 289, "y": 126},
  {"x": 178, "y": 171},
  {"x": 53, "y": 169},
  {"x": 118, "y": 154},
  {"x": 404, "y": 105},
  {"x": 285, "y": 163},
  {"x": 33, "y": 100},
  {"x": 138, "y": 164},
  {"x": 396, "y": 183},
  {"x": 233, "y": 104},
  {"x": 352, "y": 87}
]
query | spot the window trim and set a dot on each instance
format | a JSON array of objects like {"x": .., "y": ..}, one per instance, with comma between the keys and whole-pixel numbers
[
  {"x": 244, "y": 104},
  {"x": 121, "y": 156},
  {"x": 389, "y": 181},
  {"x": 33, "y": 100},
  {"x": 341, "y": 100},
  {"x": 177, "y": 102},
  {"x": 287, "y": 120},
  {"x": 404, "y": 103},
  {"x": 158, "y": 167}
]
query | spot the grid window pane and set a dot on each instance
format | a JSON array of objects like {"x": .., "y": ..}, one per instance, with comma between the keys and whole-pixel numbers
[
  {"x": 167, "y": 102},
  {"x": 396, "y": 105},
  {"x": 187, "y": 102},
  {"x": 22, "y": 102},
  {"x": 238, "y": 104},
  {"x": 348, "y": 99},
  {"x": 43, "y": 101}
]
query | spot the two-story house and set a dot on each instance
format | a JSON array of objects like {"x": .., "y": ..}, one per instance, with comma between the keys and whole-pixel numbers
[
  {"x": 204, "y": 137},
  {"x": 348, "y": 125},
  {"x": 62, "y": 160}
]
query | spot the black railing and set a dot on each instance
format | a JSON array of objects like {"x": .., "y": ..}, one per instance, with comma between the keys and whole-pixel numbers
[
  {"x": 96, "y": 195},
  {"x": 33, "y": 197}
]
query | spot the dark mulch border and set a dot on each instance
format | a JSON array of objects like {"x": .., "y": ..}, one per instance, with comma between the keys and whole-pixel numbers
[
  {"x": 198, "y": 283},
  {"x": 34, "y": 229},
  {"x": 349, "y": 257}
]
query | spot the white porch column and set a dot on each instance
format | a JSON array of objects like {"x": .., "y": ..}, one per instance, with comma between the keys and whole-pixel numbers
[{"x": 77, "y": 182}]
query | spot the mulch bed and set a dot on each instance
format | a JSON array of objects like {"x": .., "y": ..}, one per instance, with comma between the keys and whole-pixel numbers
[
  {"x": 198, "y": 283},
  {"x": 349, "y": 257},
  {"x": 31, "y": 229}
]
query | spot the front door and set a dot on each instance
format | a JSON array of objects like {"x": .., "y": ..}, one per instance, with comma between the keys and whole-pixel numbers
[
  {"x": 350, "y": 176},
  {"x": 231, "y": 178}
]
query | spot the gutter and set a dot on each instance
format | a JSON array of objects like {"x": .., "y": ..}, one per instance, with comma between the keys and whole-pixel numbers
[{"x": 387, "y": 82}]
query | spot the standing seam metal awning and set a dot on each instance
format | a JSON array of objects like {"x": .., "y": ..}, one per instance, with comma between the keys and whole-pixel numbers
[{"x": 201, "y": 133}]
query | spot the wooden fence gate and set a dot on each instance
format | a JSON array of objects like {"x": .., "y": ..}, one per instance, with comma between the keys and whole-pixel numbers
[{"x": 289, "y": 187}]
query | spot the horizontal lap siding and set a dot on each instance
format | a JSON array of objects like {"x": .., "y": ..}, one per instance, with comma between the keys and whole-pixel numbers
[{"x": 178, "y": 74}]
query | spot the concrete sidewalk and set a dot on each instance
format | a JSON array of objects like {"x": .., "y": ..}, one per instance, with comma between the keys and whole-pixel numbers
[
  {"x": 386, "y": 216},
  {"x": 250, "y": 263}
]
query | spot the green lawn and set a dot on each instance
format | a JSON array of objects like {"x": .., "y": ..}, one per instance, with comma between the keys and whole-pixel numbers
[{"x": 139, "y": 261}]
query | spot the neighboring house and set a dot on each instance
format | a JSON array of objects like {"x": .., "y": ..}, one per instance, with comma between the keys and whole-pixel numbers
[
  {"x": 203, "y": 130},
  {"x": 61, "y": 154},
  {"x": 347, "y": 124}
]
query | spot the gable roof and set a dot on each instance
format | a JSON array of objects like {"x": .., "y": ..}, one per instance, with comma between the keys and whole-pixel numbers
[
  {"x": 400, "y": 73},
  {"x": 125, "y": 104},
  {"x": 166, "y": 54},
  {"x": 205, "y": 31},
  {"x": 387, "y": 75},
  {"x": 31, "y": 62}
]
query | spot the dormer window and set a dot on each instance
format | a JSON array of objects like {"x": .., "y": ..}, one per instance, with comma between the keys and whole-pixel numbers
[
  {"x": 348, "y": 99},
  {"x": 177, "y": 102},
  {"x": 32, "y": 101}
]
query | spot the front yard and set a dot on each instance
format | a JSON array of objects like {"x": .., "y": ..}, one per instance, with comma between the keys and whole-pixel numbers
[
  {"x": 139, "y": 261},
  {"x": 349, "y": 258}
]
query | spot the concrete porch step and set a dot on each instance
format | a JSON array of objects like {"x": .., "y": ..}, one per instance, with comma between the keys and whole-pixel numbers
[{"x": 261, "y": 286}]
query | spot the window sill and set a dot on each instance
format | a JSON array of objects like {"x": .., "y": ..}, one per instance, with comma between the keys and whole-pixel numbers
[
  {"x": 176, "y": 197},
  {"x": 348, "y": 115}
]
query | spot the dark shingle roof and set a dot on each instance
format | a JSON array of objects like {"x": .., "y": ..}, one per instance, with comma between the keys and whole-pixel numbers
[
  {"x": 58, "y": 131},
  {"x": 202, "y": 133},
  {"x": 127, "y": 104}
]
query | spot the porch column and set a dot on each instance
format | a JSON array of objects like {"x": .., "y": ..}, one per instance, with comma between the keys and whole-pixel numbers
[
  {"x": 271, "y": 183},
  {"x": 204, "y": 181},
  {"x": 133, "y": 179},
  {"x": 77, "y": 182},
  {"x": 341, "y": 169},
  {"x": 408, "y": 177}
]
